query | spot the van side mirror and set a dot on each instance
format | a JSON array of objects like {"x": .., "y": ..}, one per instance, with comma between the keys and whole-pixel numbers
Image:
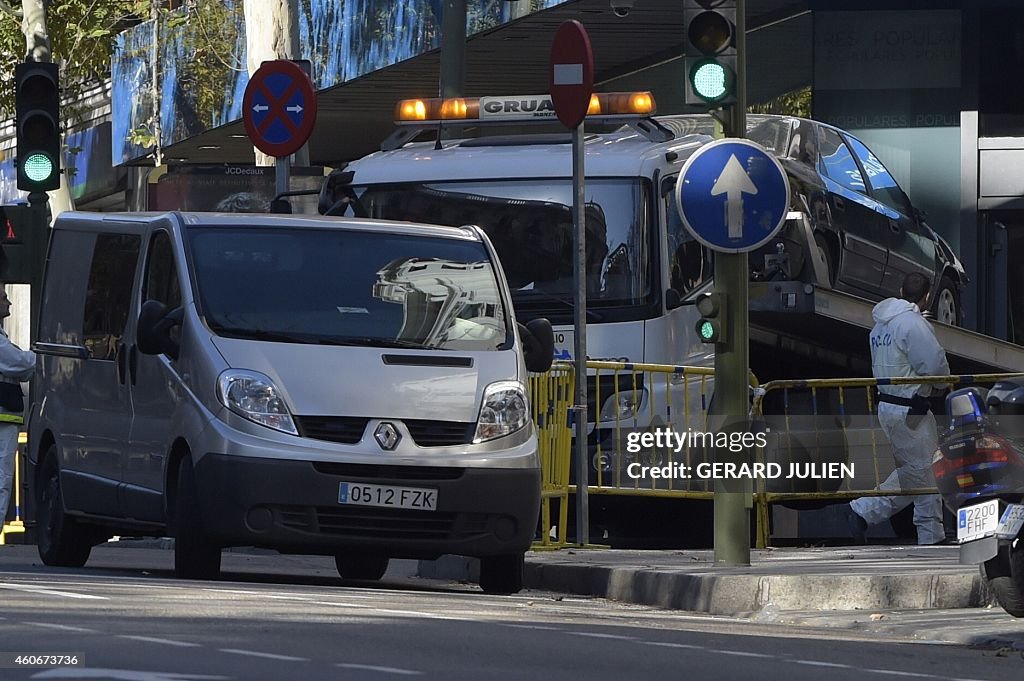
[
  {"x": 538, "y": 345},
  {"x": 153, "y": 332}
]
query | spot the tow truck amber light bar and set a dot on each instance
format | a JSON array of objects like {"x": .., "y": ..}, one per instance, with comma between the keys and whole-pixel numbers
[{"x": 616, "y": 105}]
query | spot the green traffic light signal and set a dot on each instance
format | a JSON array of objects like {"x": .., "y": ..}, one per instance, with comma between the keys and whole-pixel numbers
[
  {"x": 710, "y": 49},
  {"x": 37, "y": 116},
  {"x": 711, "y": 328},
  {"x": 706, "y": 330},
  {"x": 711, "y": 80},
  {"x": 38, "y": 167}
]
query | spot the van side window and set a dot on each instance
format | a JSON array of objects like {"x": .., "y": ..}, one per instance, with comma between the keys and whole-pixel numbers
[
  {"x": 109, "y": 293},
  {"x": 161, "y": 275},
  {"x": 689, "y": 261}
]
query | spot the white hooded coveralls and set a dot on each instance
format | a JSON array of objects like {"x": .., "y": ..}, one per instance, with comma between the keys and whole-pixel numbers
[
  {"x": 16, "y": 365},
  {"x": 903, "y": 344}
]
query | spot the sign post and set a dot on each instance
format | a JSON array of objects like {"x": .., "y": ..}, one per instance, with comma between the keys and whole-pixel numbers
[
  {"x": 572, "y": 83},
  {"x": 279, "y": 111},
  {"x": 733, "y": 197}
]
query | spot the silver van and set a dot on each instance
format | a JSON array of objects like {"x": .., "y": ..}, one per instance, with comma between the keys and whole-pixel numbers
[{"x": 329, "y": 386}]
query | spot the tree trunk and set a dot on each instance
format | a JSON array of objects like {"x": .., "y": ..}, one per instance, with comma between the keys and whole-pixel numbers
[{"x": 271, "y": 32}]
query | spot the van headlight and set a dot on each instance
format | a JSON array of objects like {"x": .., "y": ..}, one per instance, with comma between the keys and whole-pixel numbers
[
  {"x": 503, "y": 412},
  {"x": 254, "y": 396}
]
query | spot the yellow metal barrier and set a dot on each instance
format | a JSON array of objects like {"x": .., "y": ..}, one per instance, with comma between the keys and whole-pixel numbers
[
  {"x": 819, "y": 422},
  {"x": 831, "y": 423},
  {"x": 551, "y": 396},
  {"x": 18, "y": 524}
]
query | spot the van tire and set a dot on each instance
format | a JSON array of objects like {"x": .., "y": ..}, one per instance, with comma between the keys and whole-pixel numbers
[
  {"x": 363, "y": 566},
  {"x": 62, "y": 542},
  {"x": 195, "y": 556},
  {"x": 502, "y": 574}
]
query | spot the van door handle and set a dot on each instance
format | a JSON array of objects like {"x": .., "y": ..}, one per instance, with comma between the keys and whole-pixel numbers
[
  {"x": 840, "y": 204},
  {"x": 133, "y": 362},
  {"x": 894, "y": 227},
  {"x": 122, "y": 352}
]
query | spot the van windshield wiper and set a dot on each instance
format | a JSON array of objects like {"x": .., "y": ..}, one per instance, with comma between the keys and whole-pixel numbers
[
  {"x": 370, "y": 341},
  {"x": 537, "y": 293},
  {"x": 261, "y": 334}
]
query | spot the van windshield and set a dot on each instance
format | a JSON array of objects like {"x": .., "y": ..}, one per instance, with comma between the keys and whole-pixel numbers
[
  {"x": 530, "y": 224},
  {"x": 346, "y": 287}
]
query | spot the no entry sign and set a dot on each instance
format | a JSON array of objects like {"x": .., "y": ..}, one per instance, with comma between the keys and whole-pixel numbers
[
  {"x": 572, "y": 73},
  {"x": 279, "y": 108}
]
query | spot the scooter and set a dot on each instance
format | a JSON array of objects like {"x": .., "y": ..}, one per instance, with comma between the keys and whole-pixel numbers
[{"x": 979, "y": 469}]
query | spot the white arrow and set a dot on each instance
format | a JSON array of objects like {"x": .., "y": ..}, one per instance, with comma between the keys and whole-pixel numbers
[
  {"x": 297, "y": 108},
  {"x": 260, "y": 107},
  {"x": 734, "y": 183}
]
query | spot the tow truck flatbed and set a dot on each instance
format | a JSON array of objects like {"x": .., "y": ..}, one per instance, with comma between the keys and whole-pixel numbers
[{"x": 832, "y": 326}]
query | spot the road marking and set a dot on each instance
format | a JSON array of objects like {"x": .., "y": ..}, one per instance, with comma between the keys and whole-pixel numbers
[
  {"x": 120, "y": 675},
  {"x": 538, "y": 627},
  {"x": 269, "y": 656},
  {"x": 63, "y": 627},
  {"x": 817, "y": 663},
  {"x": 593, "y": 635},
  {"x": 743, "y": 653},
  {"x": 166, "y": 641},
  {"x": 49, "y": 592},
  {"x": 383, "y": 670},
  {"x": 663, "y": 644}
]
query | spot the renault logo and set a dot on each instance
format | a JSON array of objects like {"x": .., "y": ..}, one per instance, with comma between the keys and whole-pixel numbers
[{"x": 387, "y": 436}]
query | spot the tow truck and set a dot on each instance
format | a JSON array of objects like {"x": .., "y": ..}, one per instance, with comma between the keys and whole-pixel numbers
[{"x": 514, "y": 179}]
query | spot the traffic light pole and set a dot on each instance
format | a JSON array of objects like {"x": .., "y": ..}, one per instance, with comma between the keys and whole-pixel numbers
[{"x": 733, "y": 497}]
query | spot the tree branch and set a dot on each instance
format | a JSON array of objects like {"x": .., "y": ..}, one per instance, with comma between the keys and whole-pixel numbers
[{"x": 10, "y": 12}]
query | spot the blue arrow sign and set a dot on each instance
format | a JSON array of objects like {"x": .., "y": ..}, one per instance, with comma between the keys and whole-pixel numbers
[{"x": 733, "y": 195}]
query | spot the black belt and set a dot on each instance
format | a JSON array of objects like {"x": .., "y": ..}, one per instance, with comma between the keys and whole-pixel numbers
[{"x": 895, "y": 399}]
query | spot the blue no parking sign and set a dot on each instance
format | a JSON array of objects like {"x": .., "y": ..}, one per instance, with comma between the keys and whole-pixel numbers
[{"x": 733, "y": 195}]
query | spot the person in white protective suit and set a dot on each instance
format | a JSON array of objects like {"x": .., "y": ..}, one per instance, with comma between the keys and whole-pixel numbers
[
  {"x": 903, "y": 344},
  {"x": 16, "y": 365}
]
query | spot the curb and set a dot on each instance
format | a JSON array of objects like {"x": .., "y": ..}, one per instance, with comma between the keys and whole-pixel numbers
[{"x": 746, "y": 594}]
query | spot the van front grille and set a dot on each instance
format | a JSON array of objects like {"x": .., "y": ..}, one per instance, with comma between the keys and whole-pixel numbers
[
  {"x": 381, "y": 523},
  {"x": 348, "y": 430},
  {"x": 440, "y": 433},
  {"x": 387, "y": 472}
]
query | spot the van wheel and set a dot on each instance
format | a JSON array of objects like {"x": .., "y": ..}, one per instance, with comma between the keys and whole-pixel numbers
[
  {"x": 502, "y": 574},
  {"x": 62, "y": 541},
  {"x": 195, "y": 556},
  {"x": 365, "y": 566},
  {"x": 1007, "y": 581}
]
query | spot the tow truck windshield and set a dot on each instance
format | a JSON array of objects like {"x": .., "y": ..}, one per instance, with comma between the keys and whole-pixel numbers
[
  {"x": 347, "y": 287},
  {"x": 530, "y": 224}
]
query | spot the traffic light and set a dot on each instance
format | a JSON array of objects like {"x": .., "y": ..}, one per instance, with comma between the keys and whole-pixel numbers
[
  {"x": 709, "y": 34},
  {"x": 711, "y": 328},
  {"x": 37, "y": 119},
  {"x": 17, "y": 245}
]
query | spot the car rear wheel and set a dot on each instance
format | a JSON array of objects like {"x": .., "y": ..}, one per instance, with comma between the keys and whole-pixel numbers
[
  {"x": 62, "y": 541},
  {"x": 502, "y": 574},
  {"x": 946, "y": 305},
  {"x": 364, "y": 566}
]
